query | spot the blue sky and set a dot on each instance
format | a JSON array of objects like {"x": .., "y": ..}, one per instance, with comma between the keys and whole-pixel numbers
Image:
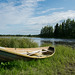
[{"x": 29, "y": 16}]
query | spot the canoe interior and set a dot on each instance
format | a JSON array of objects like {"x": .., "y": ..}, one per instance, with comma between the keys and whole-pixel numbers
[{"x": 8, "y": 54}]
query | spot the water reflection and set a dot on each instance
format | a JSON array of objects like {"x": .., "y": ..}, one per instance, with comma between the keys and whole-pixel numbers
[{"x": 54, "y": 41}]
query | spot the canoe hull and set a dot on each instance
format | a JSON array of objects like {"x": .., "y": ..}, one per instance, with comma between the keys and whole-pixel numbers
[{"x": 5, "y": 56}]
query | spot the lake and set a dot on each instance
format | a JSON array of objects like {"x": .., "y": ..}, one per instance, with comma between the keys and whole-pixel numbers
[{"x": 54, "y": 41}]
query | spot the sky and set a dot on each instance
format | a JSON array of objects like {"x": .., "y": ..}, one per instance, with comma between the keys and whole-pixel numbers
[{"x": 26, "y": 17}]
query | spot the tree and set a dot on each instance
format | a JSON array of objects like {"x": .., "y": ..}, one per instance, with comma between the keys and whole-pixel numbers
[
  {"x": 63, "y": 29},
  {"x": 67, "y": 27},
  {"x": 56, "y": 30},
  {"x": 47, "y": 31},
  {"x": 72, "y": 28},
  {"x": 60, "y": 31}
]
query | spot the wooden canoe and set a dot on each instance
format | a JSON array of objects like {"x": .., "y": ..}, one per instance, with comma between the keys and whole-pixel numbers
[{"x": 8, "y": 54}]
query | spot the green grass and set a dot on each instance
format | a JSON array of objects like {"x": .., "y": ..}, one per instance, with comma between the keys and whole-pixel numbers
[
  {"x": 17, "y": 43},
  {"x": 62, "y": 63}
]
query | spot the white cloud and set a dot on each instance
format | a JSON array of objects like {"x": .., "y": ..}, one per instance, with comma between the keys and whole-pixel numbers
[
  {"x": 17, "y": 14},
  {"x": 48, "y": 10},
  {"x": 52, "y": 18}
]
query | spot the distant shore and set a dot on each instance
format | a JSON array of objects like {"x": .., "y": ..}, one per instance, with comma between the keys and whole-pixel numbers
[{"x": 33, "y": 36}]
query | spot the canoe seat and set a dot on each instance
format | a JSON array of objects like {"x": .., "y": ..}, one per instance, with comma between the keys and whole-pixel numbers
[{"x": 33, "y": 53}]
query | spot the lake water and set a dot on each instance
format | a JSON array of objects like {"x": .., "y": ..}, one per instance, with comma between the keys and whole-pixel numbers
[{"x": 54, "y": 41}]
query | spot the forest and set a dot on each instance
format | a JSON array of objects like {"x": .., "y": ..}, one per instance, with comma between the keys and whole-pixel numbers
[{"x": 64, "y": 30}]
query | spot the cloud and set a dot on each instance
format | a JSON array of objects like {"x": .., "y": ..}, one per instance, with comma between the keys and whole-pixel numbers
[
  {"x": 53, "y": 18},
  {"x": 12, "y": 14},
  {"x": 18, "y": 17},
  {"x": 48, "y": 10}
]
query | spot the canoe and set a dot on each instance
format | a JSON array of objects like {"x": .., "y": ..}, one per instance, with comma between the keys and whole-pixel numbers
[{"x": 8, "y": 54}]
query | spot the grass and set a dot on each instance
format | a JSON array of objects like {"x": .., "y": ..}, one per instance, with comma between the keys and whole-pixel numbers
[
  {"x": 62, "y": 63},
  {"x": 17, "y": 43}
]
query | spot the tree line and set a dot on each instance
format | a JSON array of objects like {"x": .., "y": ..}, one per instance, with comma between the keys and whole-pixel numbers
[{"x": 64, "y": 30}]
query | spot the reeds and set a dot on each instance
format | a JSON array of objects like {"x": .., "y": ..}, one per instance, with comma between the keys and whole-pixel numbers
[{"x": 17, "y": 43}]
